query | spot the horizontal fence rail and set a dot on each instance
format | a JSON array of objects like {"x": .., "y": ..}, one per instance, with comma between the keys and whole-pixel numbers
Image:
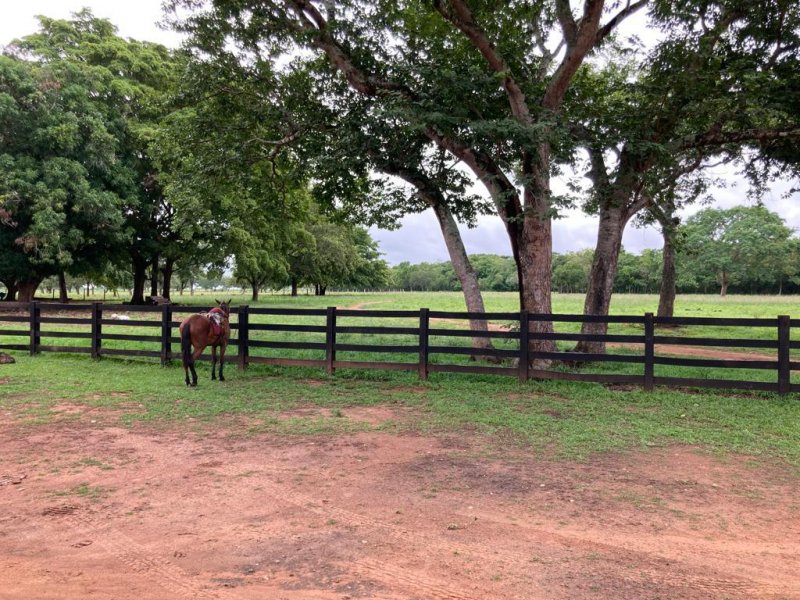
[{"x": 532, "y": 355}]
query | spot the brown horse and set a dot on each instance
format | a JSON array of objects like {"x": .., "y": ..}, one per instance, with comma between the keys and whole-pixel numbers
[{"x": 205, "y": 329}]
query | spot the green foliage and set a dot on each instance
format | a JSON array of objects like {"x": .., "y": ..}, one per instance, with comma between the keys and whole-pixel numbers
[
  {"x": 740, "y": 246},
  {"x": 58, "y": 170},
  {"x": 336, "y": 254},
  {"x": 80, "y": 163}
]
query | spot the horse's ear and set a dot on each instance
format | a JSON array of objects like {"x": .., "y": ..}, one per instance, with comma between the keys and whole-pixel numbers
[
  {"x": 230, "y": 300},
  {"x": 217, "y": 301}
]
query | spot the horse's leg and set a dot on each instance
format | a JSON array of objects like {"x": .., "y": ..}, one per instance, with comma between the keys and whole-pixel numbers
[
  {"x": 195, "y": 355},
  {"x": 222, "y": 360},
  {"x": 214, "y": 363},
  {"x": 186, "y": 350}
]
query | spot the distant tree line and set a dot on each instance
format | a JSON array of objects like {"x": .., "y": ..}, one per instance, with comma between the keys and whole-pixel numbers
[{"x": 746, "y": 250}]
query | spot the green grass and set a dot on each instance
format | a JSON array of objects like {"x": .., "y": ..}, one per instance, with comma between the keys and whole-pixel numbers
[
  {"x": 732, "y": 306},
  {"x": 687, "y": 304},
  {"x": 562, "y": 419}
]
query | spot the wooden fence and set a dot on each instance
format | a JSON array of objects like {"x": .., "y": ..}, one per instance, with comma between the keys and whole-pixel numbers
[{"x": 32, "y": 316}]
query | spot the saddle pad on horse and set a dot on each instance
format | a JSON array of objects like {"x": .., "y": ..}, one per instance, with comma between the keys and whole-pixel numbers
[{"x": 215, "y": 316}]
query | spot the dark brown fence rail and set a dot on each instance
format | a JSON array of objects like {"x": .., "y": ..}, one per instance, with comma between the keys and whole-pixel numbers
[{"x": 34, "y": 320}]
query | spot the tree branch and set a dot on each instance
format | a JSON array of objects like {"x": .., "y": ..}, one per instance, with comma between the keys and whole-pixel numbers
[
  {"x": 312, "y": 21},
  {"x": 578, "y": 46},
  {"x": 720, "y": 138},
  {"x": 567, "y": 21},
  {"x": 609, "y": 27},
  {"x": 459, "y": 14}
]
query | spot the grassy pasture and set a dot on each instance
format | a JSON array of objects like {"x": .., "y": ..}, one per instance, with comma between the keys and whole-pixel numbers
[
  {"x": 563, "y": 419},
  {"x": 706, "y": 306},
  {"x": 568, "y": 419}
]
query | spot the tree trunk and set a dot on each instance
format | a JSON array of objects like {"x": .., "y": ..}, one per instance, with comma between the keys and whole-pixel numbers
[
  {"x": 26, "y": 290},
  {"x": 470, "y": 287},
  {"x": 294, "y": 286},
  {"x": 169, "y": 267},
  {"x": 13, "y": 288},
  {"x": 154, "y": 277},
  {"x": 669, "y": 277},
  {"x": 723, "y": 284},
  {"x": 530, "y": 233},
  {"x": 464, "y": 271},
  {"x": 321, "y": 290},
  {"x": 63, "y": 296},
  {"x": 139, "y": 280},
  {"x": 534, "y": 257},
  {"x": 254, "y": 286},
  {"x": 601, "y": 277}
]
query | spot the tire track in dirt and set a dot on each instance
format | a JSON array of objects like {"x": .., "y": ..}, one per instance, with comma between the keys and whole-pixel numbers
[
  {"x": 673, "y": 578},
  {"x": 415, "y": 582},
  {"x": 139, "y": 560}
]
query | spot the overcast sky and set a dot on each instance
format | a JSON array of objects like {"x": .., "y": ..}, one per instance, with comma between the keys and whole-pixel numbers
[{"x": 419, "y": 239}]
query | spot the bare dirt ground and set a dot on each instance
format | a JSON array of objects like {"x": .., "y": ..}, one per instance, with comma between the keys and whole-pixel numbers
[{"x": 89, "y": 509}]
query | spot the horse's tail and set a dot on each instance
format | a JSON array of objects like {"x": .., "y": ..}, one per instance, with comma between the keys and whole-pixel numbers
[{"x": 186, "y": 344}]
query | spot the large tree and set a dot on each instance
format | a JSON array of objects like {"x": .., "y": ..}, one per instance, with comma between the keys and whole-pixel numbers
[
  {"x": 60, "y": 205},
  {"x": 128, "y": 82},
  {"x": 718, "y": 85},
  {"x": 355, "y": 151},
  {"x": 485, "y": 82},
  {"x": 738, "y": 244}
]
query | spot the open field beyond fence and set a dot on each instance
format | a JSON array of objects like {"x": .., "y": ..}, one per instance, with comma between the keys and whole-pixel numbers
[{"x": 755, "y": 353}]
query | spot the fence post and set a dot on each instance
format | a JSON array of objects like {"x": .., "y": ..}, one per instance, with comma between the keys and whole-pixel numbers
[
  {"x": 524, "y": 346},
  {"x": 36, "y": 326},
  {"x": 166, "y": 333},
  {"x": 97, "y": 328},
  {"x": 424, "y": 321},
  {"x": 784, "y": 371},
  {"x": 649, "y": 351},
  {"x": 330, "y": 340},
  {"x": 244, "y": 335}
]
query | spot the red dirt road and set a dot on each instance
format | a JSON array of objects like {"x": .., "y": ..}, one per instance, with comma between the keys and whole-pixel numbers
[{"x": 92, "y": 510}]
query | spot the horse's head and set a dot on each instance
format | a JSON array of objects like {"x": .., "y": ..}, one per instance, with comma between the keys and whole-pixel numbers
[{"x": 225, "y": 307}]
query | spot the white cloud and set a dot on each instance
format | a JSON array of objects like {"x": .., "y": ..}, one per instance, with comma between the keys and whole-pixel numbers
[{"x": 133, "y": 19}]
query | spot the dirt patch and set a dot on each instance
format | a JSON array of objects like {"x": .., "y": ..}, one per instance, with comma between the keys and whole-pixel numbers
[
  {"x": 698, "y": 351},
  {"x": 623, "y": 387},
  {"x": 314, "y": 382},
  {"x": 464, "y": 324},
  {"x": 363, "y": 305},
  {"x": 371, "y": 415},
  {"x": 177, "y": 513},
  {"x": 413, "y": 389},
  {"x": 99, "y": 412}
]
